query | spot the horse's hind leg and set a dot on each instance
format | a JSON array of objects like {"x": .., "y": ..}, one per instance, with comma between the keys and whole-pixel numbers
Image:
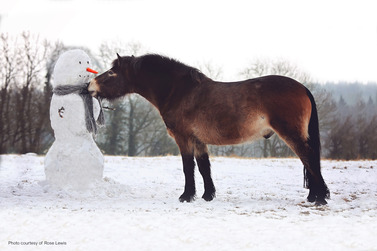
[
  {"x": 202, "y": 159},
  {"x": 309, "y": 155},
  {"x": 318, "y": 190},
  {"x": 308, "y": 179}
]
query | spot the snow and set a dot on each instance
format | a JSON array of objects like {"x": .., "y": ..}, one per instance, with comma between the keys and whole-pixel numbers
[{"x": 260, "y": 205}]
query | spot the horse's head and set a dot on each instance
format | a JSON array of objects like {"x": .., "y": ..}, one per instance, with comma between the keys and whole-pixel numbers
[{"x": 113, "y": 83}]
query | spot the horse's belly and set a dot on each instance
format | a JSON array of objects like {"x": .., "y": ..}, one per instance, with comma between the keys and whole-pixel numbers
[{"x": 232, "y": 133}]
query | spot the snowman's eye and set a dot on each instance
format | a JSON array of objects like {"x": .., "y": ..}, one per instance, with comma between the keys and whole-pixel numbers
[
  {"x": 87, "y": 62},
  {"x": 79, "y": 62}
]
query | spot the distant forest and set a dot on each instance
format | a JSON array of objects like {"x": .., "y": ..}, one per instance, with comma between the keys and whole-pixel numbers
[
  {"x": 352, "y": 93},
  {"x": 347, "y": 111}
]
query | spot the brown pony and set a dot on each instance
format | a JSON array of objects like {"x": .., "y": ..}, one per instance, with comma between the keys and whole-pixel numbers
[{"x": 198, "y": 111}]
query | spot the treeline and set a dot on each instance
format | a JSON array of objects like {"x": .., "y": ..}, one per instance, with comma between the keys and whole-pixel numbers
[
  {"x": 352, "y": 134},
  {"x": 348, "y": 123},
  {"x": 353, "y": 127},
  {"x": 24, "y": 93}
]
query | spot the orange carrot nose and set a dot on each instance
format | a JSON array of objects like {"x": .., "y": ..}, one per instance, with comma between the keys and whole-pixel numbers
[{"x": 91, "y": 70}]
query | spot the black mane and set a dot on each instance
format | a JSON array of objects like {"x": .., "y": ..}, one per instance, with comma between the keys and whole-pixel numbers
[{"x": 154, "y": 63}]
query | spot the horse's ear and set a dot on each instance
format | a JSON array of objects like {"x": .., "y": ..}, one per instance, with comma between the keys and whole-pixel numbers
[{"x": 119, "y": 60}]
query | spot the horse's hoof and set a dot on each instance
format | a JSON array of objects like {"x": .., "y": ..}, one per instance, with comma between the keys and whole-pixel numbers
[
  {"x": 320, "y": 202},
  {"x": 311, "y": 198},
  {"x": 187, "y": 197},
  {"x": 208, "y": 196}
]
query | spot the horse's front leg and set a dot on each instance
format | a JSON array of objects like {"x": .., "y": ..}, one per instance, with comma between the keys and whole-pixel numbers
[
  {"x": 188, "y": 169},
  {"x": 201, "y": 156},
  {"x": 186, "y": 148}
]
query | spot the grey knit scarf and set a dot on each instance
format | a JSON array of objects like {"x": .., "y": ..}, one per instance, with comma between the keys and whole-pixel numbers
[{"x": 82, "y": 90}]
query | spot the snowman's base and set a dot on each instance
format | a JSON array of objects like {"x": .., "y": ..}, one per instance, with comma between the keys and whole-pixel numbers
[
  {"x": 74, "y": 166},
  {"x": 71, "y": 183}
]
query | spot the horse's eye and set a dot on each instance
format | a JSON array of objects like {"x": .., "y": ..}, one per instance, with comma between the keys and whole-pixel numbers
[{"x": 111, "y": 73}]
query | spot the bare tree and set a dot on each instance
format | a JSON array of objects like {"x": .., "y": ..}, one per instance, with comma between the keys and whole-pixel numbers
[
  {"x": 108, "y": 50},
  {"x": 214, "y": 72},
  {"x": 29, "y": 126},
  {"x": 341, "y": 140},
  {"x": 277, "y": 67},
  {"x": 365, "y": 116},
  {"x": 24, "y": 111},
  {"x": 7, "y": 76},
  {"x": 138, "y": 118}
]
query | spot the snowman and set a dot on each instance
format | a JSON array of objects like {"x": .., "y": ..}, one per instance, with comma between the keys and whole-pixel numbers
[{"x": 74, "y": 161}]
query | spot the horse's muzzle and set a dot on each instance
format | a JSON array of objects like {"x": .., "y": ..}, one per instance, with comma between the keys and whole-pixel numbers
[{"x": 92, "y": 88}]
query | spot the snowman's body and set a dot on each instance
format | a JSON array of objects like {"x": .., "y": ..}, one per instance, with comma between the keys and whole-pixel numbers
[{"x": 74, "y": 160}]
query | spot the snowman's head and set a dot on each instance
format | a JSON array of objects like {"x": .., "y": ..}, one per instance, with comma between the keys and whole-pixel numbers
[{"x": 73, "y": 68}]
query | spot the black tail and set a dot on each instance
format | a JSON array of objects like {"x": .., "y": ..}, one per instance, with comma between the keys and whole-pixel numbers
[{"x": 314, "y": 142}]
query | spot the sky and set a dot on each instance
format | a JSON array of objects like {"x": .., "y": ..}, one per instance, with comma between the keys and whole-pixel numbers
[{"x": 330, "y": 40}]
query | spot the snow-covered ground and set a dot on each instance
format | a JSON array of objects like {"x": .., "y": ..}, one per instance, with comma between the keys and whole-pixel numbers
[{"x": 260, "y": 205}]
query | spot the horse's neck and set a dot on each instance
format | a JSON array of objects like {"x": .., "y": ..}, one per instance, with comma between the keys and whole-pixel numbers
[
  {"x": 161, "y": 93},
  {"x": 156, "y": 92},
  {"x": 149, "y": 95}
]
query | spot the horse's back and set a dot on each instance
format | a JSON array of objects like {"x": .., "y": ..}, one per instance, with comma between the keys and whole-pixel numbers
[
  {"x": 269, "y": 94},
  {"x": 279, "y": 94},
  {"x": 275, "y": 83}
]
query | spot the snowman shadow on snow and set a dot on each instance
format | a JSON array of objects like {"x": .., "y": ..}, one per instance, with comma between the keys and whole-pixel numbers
[{"x": 74, "y": 161}]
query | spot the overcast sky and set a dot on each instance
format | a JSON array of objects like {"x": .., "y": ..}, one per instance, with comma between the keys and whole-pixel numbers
[{"x": 330, "y": 40}]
